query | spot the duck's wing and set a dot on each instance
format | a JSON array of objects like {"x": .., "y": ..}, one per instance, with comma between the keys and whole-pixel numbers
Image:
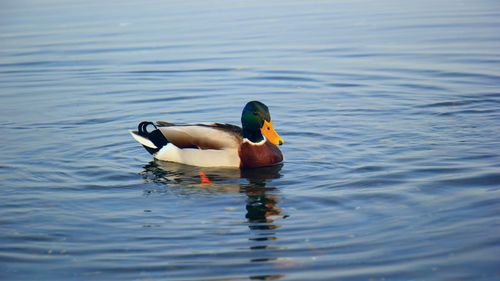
[{"x": 202, "y": 136}]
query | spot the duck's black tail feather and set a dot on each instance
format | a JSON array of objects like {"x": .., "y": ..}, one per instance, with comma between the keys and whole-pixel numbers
[{"x": 154, "y": 140}]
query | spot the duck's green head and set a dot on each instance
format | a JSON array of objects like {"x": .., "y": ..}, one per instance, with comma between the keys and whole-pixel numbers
[{"x": 256, "y": 122}]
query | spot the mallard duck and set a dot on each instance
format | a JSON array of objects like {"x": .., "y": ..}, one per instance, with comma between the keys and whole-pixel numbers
[{"x": 215, "y": 144}]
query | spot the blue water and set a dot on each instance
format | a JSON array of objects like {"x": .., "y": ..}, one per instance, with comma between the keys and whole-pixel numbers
[{"x": 390, "y": 112}]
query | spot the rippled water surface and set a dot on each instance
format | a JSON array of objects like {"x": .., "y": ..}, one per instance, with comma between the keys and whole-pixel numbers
[{"x": 389, "y": 110}]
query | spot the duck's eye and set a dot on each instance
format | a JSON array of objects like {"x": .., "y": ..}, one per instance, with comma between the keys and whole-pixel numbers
[{"x": 255, "y": 113}]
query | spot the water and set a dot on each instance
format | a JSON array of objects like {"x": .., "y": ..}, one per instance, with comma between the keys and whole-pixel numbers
[{"x": 389, "y": 110}]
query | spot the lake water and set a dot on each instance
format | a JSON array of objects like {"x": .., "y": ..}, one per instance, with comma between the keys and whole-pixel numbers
[{"x": 390, "y": 111}]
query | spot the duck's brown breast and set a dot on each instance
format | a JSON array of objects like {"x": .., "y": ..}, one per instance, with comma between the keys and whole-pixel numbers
[{"x": 254, "y": 156}]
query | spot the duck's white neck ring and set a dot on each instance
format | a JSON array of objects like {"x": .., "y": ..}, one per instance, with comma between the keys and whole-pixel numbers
[{"x": 255, "y": 143}]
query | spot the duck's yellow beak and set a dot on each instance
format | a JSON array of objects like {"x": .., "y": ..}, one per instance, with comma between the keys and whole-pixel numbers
[{"x": 270, "y": 134}]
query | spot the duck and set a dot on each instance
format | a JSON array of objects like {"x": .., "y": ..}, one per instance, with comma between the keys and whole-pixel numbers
[{"x": 253, "y": 145}]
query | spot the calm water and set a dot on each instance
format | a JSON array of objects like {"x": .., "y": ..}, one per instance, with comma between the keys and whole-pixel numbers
[{"x": 390, "y": 111}]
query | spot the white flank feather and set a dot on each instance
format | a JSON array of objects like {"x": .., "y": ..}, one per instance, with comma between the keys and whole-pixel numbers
[{"x": 199, "y": 157}]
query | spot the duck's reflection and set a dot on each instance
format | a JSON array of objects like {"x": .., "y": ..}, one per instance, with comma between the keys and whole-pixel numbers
[
  {"x": 261, "y": 203},
  {"x": 262, "y": 206},
  {"x": 262, "y": 209}
]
